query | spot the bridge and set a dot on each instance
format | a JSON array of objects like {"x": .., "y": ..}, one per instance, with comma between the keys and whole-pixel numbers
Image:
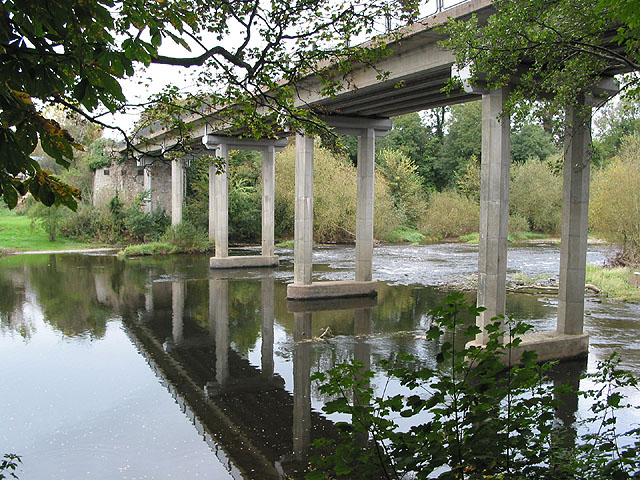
[{"x": 419, "y": 69}]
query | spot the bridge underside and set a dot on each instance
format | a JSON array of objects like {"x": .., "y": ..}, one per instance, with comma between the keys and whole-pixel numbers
[{"x": 419, "y": 71}]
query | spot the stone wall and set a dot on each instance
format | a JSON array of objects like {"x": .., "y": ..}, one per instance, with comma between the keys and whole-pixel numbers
[{"x": 128, "y": 179}]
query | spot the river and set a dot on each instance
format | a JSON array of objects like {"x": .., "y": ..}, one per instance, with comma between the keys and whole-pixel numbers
[{"x": 123, "y": 368}]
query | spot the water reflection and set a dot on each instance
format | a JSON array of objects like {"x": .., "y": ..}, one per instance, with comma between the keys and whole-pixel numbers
[{"x": 234, "y": 355}]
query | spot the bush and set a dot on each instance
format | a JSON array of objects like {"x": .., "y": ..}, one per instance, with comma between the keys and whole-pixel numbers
[
  {"x": 451, "y": 214},
  {"x": 187, "y": 237},
  {"x": 405, "y": 185},
  {"x": 473, "y": 417},
  {"x": 536, "y": 195},
  {"x": 615, "y": 200},
  {"x": 335, "y": 190}
]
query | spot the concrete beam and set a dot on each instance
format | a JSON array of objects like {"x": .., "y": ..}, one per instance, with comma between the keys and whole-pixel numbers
[
  {"x": 358, "y": 126},
  {"x": 237, "y": 143}
]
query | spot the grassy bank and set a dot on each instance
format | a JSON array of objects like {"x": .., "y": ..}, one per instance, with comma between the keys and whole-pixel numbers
[
  {"x": 613, "y": 283},
  {"x": 16, "y": 233}
]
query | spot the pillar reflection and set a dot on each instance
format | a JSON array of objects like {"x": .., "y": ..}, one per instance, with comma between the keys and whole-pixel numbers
[{"x": 302, "y": 385}]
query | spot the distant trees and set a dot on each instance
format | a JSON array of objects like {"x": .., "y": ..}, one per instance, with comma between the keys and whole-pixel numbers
[{"x": 615, "y": 200}]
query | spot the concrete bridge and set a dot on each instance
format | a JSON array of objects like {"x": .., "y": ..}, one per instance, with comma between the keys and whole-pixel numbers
[{"x": 419, "y": 69}]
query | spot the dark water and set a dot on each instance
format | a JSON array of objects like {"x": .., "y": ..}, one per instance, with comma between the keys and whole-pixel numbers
[{"x": 161, "y": 368}]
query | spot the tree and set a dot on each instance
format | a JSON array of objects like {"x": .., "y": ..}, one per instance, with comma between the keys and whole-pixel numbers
[
  {"x": 567, "y": 46},
  {"x": 75, "y": 53},
  {"x": 613, "y": 125}
]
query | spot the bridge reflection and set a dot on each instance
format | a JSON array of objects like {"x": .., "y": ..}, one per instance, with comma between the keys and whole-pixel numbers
[{"x": 253, "y": 424}]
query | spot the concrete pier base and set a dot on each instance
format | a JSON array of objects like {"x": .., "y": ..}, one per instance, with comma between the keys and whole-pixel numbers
[
  {"x": 250, "y": 261},
  {"x": 336, "y": 289},
  {"x": 549, "y": 345}
]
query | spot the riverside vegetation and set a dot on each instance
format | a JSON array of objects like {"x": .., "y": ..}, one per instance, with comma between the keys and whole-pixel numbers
[
  {"x": 473, "y": 418},
  {"x": 427, "y": 189}
]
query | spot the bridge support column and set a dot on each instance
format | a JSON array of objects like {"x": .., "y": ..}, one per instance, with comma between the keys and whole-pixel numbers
[
  {"x": 575, "y": 209},
  {"x": 268, "y": 200},
  {"x": 177, "y": 191},
  {"x": 494, "y": 210},
  {"x": 303, "y": 288},
  {"x": 147, "y": 184},
  {"x": 364, "y": 206},
  {"x": 303, "y": 226},
  {"x": 219, "y": 201},
  {"x": 177, "y": 315}
]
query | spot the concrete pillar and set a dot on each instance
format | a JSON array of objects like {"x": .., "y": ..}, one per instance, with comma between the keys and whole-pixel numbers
[
  {"x": 494, "y": 209},
  {"x": 268, "y": 200},
  {"x": 212, "y": 205},
  {"x": 177, "y": 311},
  {"x": 147, "y": 185},
  {"x": 364, "y": 206},
  {"x": 302, "y": 386},
  {"x": 177, "y": 191},
  {"x": 220, "y": 300},
  {"x": 267, "y": 326},
  {"x": 219, "y": 208},
  {"x": 303, "y": 227},
  {"x": 575, "y": 220}
]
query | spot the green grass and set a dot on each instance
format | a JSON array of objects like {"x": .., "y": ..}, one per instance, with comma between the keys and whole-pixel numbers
[
  {"x": 286, "y": 244},
  {"x": 613, "y": 282},
  {"x": 16, "y": 234},
  {"x": 513, "y": 237},
  {"x": 155, "y": 248},
  {"x": 405, "y": 234}
]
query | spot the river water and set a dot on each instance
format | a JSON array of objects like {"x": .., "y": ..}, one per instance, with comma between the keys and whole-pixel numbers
[{"x": 160, "y": 368}]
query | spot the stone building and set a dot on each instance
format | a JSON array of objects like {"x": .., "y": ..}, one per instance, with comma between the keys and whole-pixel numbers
[{"x": 130, "y": 179}]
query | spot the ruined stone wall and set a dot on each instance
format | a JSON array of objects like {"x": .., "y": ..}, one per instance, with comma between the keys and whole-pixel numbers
[{"x": 128, "y": 179}]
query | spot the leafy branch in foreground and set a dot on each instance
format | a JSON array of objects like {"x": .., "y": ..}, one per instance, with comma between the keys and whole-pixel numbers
[
  {"x": 472, "y": 417},
  {"x": 8, "y": 464},
  {"x": 76, "y": 53}
]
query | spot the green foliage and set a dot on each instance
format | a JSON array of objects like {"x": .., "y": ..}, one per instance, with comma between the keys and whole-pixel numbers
[
  {"x": 335, "y": 191},
  {"x": 49, "y": 218},
  {"x": 404, "y": 183},
  {"x": 98, "y": 156},
  {"x": 566, "y": 44},
  {"x": 187, "y": 237},
  {"x": 405, "y": 234},
  {"x": 80, "y": 64},
  {"x": 451, "y": 214},
  {"x": 613, "y": 282},
  {"x": 8, "y": 465},
  {"x": 462, "y": 142},
  {"x": 614, "y": 208},
  {"x": 530, "y": 141},
  {"x": 473, "y": 416},
  {"x": 154, "y": 248},
  {"x": 613, "y": 124},
  {"x": 535, "y": 195}
]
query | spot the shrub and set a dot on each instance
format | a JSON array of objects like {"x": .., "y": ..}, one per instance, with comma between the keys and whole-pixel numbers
[
  {"x": 536, "y": 195},
  {"x": 473, "y": 415},
  {"x": 451, "y": 214},
  {"x": 405, "y": 185},
  {"x": 335, "y": 190},
  {"x": 615, "y": 200},
  {"x": 187, "y": 237}
]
